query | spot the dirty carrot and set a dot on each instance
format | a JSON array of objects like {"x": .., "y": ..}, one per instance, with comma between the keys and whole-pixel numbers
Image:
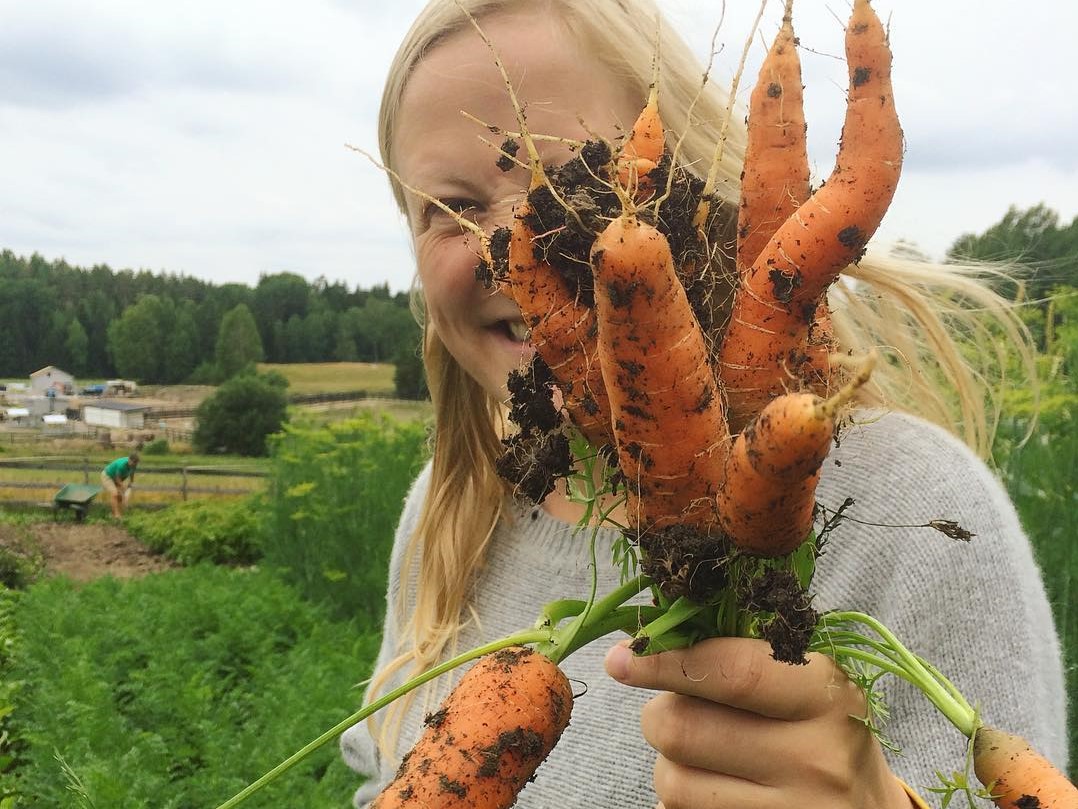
[
  {"x": 767, "y": 500},
  {"x": 1018, "y": 776},
  {"x": 775, "y": 180},
  {"x": 485, "y": 742},
  {"x": 562, "y": 329},
  {"x": 667, "y": 413},
  {"x": 777, "y": 301}
]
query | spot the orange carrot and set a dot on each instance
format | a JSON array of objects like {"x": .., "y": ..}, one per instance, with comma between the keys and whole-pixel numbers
[
  {"x": 487, "y": 739},
  {"x": 643, "y": 149},
  {"x": 1018, "y": 776},
  {"x": 775, "y": 180},
  {"x": 667, "y": 413},
  {"x": 778, "y": 298},
  {"x": 562, "y": 331},
  {"x": 767, "y": 500}
]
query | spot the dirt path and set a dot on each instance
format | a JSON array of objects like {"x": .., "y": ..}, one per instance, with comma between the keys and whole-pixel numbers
[{"x": 84, "y": 552}]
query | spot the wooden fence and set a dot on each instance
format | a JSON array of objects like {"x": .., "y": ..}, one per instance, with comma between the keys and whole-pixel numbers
[{"x": 190, "y": 482}]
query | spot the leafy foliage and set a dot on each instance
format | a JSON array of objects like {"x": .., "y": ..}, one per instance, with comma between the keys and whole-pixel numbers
[
  {"x": 409, "y": 376},
  {"x": 335, "y": 496},
  {"x": 219, "y": 531},
  {"x": 1034, "y": 238},
  {"x": 238, "y": 342},
  {"x": 178, "y": 689},
  {"x": 240, "y": 415}
]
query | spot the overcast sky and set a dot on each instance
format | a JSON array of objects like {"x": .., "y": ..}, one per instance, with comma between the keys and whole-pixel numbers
[{"x": 207, "y": 138}]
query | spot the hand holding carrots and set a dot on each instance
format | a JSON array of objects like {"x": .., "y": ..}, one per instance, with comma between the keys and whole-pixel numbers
[{"x": 735, "y": 728}]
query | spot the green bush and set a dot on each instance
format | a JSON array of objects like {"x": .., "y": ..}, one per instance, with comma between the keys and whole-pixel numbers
[
  {"x": 241, "y": 414},
  {"x": 335, "y": 495},
  {"x": 158, "y": 446},
  {"x": 178, "y": 689},
  {"x": 219, "y": 531}
]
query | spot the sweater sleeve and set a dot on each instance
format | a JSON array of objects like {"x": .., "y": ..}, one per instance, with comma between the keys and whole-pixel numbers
[
  {"x": 977, "y": 610},
  {"x": 358, "y": 748}
]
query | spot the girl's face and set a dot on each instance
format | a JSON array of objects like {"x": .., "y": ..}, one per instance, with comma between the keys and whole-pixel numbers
[{"x": 439, "y": 151}]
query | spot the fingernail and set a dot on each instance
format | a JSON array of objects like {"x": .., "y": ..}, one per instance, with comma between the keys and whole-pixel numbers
[{"x": 618, "y": 660}]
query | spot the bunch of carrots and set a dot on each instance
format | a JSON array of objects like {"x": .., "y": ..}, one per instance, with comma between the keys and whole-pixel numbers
[{"x": 713, "y": 428}]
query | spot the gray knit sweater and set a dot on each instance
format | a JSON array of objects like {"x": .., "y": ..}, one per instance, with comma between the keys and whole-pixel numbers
[{"x": 977, "y": 610}]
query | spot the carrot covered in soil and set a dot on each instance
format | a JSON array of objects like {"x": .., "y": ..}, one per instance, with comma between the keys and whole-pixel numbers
[
  {"x": 668, "y": 415},
  {"x": 767, "y": 503},
  {"x": 485, "y": 742},
  {"x": 1018, "y": 776},
  {"x": 562, "y": 330},
  {"x": 775, "y": 180},
  {"x": 765, "y": 339}
]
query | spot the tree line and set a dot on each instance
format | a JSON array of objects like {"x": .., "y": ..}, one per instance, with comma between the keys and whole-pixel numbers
[{"x": 167, "y": 328}]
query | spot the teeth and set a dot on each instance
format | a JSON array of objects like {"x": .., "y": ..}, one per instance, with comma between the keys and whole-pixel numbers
[{"x": 518, "y": 330}]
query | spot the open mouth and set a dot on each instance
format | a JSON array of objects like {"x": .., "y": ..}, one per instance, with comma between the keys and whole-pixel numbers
[{"x": 515, "y": 330}]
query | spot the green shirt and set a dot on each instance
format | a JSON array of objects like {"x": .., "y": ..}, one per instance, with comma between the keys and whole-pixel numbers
[{"x": 120, "y": 469}]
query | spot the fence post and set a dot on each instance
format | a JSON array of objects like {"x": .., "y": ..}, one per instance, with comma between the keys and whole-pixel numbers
[
  {"x": 183, "y": 486},
  {"x": 85, "y": 469}
]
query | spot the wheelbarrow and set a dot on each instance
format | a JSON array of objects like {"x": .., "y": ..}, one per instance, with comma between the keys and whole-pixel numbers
[{"x": 76, "y": 496}]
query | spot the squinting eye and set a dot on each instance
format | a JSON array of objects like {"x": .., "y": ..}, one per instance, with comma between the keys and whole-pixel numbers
[{"x": 458, "y": 205}]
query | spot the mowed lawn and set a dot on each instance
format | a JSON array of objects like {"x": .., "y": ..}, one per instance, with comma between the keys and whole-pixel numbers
[{"x": 334, "y": 377}]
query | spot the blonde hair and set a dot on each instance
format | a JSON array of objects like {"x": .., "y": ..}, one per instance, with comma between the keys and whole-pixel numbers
[{"x": 913, "y": 307}]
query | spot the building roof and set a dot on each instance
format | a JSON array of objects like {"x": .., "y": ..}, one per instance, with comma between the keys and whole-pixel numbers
[
  {"x": 48, "y": 369},
  {"x": 109, "y": 404}
]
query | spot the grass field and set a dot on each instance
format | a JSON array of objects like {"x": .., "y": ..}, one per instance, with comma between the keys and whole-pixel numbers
[{"x": 333, "y": 377}]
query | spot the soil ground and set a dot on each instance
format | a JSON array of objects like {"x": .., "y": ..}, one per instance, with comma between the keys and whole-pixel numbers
[{"x": 83, "y": 551}]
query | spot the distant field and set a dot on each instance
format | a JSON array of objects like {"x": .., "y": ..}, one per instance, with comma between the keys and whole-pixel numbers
[{"x": 331, "y": 377}]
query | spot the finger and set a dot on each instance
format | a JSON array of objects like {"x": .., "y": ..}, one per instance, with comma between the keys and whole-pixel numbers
[
  {"x": 680, "y": 787},
  {"x": 740, "y": 672},
  {"x": 699, "y": 733}
]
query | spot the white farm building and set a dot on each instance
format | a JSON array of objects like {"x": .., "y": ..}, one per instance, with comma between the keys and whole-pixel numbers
[
  {"x": 121, "y": 415},
  {"x": 51, "y": 378}
]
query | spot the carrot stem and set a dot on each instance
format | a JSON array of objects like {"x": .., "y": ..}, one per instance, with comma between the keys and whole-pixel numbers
[
  {"x": 940, "y": 691},
  {"x": 677, "y": 614}
]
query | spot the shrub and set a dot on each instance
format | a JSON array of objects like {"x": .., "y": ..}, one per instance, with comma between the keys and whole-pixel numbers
[
  {"x": 178, "y": 689},
  {"x": 239, "y": 416},
  {"x": 218, "y": 531},
  {"x": 159, "y": 446},
  {"x": 409, "y": 375},
  {"x": 336, "y": 493}
]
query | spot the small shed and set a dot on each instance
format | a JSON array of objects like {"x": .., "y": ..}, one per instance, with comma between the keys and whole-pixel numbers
[
  {"x": 108, "y": 413},
  {"x": 51, "y": 378}
]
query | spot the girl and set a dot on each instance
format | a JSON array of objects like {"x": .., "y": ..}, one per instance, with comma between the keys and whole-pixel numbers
[{"x": 723, "y": 724}]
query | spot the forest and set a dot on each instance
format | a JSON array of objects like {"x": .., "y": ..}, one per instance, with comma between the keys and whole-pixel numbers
[{"x": 162, "y": 328}]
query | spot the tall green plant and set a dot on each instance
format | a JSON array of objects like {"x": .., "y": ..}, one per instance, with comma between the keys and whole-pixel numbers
[
  {"x": 175, "y": 690},
  {"x": 336, "y": 493}
]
